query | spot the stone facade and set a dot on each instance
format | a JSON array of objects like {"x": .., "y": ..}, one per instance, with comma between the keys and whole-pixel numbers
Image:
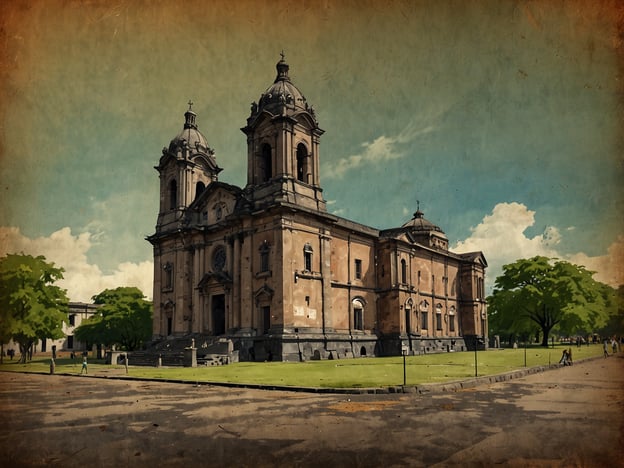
[{"x": 269, "y": 268}]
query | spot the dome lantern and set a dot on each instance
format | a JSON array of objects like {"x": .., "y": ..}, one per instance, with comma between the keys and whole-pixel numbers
[{"x": 190, "y": 116}]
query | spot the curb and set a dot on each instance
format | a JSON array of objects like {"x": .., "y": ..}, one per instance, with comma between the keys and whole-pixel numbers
[{"x": 421, "y": 389}]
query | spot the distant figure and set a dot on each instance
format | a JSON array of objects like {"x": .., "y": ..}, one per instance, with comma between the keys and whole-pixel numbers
[
  {"x": 605, "y": 349},
  {"x": 569, "y": 356},
  {"x": 565, "y": 358},
  {"x": 614, "y": 345},
  {"x": 11, "y": 353},
  {"x": 84, "y": 366}
]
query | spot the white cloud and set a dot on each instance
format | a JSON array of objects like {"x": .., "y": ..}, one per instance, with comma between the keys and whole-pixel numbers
[
  {"x": 383, "y": 148},
  {"x": 609, "y": 268},
  {"x": 501, "y": 237},
  {"x": 82, "y": 280}
]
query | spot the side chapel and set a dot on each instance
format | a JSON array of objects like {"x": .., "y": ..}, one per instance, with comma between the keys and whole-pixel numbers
[{"x": 268, "y": 267}]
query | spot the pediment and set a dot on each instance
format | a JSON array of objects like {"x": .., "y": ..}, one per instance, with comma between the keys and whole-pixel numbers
[
  {"x": 475, "y": 257},
  {"x": 206, "y": 162},
  {"x": 212, "y": 277},
  {"x": 216, "y": 202},
  {"x": 263, "y": 292}
]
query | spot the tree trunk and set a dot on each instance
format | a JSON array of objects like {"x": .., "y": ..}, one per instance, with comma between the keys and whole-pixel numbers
[
  {"x": 23, "y": 351},
  {"x": 545, "y": 332}
]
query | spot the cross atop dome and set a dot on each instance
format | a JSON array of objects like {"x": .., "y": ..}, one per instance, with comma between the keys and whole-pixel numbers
[
  {"x": 282, "y": 69},
  {"x": 189, "y": 117},
  {"x": 418, "y": 214}
]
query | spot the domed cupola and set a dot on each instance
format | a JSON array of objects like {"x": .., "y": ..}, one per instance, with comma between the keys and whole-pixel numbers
[
  {"x": 190, "y": 136},
  {"x": 186, "y": 168},
  {"x": 282, "y": 97},
  {"x": 283, "y": 147},
  {"x": 420, "y": 224},
  {"x": 419, "y": 230},
  {"x": 424, "y": 232}
]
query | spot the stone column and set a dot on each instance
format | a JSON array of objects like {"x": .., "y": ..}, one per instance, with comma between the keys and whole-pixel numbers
[
  {"x": 327, "y": 307},
  {"x": 237, "y": 319},
  {"x": 190, "y": 357}
]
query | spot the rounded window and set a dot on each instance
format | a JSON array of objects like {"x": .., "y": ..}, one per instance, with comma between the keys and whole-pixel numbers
[{"x": 218, "y": 258}]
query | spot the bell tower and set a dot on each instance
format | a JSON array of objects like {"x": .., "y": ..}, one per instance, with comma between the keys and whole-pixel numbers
[
  {"x": 185, "y": 168},
  {"x": 283, "y": 147}
]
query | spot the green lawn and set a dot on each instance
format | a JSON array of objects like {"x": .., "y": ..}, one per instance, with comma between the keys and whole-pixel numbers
[{"x": 344, "y": 373}]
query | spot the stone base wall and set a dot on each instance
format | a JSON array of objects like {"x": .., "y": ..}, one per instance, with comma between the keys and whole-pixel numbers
[
  {"x": 307, "y": 347},
  {"x": 291, "y": 346}
]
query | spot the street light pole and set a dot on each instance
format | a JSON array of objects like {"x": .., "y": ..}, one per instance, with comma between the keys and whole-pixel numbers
[
  {"x": 525, "y": 347},
  {"x": 476, "y": 343},
  {"x": 404, "y": 373}
]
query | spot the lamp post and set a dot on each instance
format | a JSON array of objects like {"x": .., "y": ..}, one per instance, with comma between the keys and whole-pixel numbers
[
  {"x": 476, "y": 343},
  {"x": 404, "y": 352}
]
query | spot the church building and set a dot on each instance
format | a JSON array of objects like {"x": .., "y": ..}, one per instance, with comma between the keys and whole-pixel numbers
[{"x": 269, "y": 268}]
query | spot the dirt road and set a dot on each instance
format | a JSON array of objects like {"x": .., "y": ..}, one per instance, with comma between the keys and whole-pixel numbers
[{"x": 566, "y": 417}]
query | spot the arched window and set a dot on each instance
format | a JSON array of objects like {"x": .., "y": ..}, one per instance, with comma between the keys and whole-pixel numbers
[
  {"x": 302, "y": 163},
  {"x": 168, "y": 279},
  {"x": 452, "y": 319},
  {"x": 307, "y": 257},
  {"x": 265, "y": 249},
  {"x": 173, "y": 194},
  {"x": 199, "y": 189},
  {"x": 408, "y": 315},
  {"x": 403, "y": 271},
  {"x": 266, "y": 163},
  {"x": 358, "y": 314},
  {"x": 424, "y": 315},
  {"x": 439, "y": 317}
]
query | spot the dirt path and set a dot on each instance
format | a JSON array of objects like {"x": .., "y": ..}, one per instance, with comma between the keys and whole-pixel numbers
[{"x": 566, "y": 417}]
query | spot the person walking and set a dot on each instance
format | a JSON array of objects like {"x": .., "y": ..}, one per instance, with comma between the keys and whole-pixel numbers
[
  {"x": 84, "y": 366},
  {"x": 605, "y": 349}
]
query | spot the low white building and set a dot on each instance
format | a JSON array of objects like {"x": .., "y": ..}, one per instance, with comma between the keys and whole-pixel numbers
[{"x": 78, "y": 312}]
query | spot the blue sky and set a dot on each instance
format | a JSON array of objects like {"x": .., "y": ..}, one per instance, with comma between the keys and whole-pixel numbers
[{"x": 502, "y": 118}]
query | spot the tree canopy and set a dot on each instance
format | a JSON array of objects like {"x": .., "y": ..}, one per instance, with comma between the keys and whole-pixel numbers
[
  {"x": 124, "y": 319},
  {"x": 541, "y": 293},
  {"x": 32, "y": 308}
]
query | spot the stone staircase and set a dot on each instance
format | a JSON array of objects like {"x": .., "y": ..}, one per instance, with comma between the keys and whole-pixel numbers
[{"x": 210, "y": 351}]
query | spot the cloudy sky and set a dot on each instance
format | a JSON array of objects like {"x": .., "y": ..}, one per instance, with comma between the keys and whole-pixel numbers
[{"x": 503, "y": 118}]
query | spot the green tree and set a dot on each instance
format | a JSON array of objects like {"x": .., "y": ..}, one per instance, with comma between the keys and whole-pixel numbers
[
  {"x": 615, "y": 325},
  {"x": 32, "y": 308},
  {"x": 548, "y": 293},
  {"x": 124, "y": 318}
]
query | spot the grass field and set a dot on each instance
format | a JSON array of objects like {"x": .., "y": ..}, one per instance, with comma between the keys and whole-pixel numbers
[{"x": 344, "y": 373}]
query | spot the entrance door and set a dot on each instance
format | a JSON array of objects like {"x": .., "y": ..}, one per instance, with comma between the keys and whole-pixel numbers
[
  {"x": 218, "y": 314},
  {"x": 408, "y": 320}
]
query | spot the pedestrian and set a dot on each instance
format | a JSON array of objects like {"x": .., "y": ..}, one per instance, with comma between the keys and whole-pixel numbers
[
  {"x": 84, "y": 366},
  {"x": 569, "y": 356},
  {"x": 605, "y": 349},
  {"x": 614, "y": 345}
]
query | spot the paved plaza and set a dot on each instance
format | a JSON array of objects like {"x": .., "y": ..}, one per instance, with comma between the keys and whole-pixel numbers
[{"x": 570, "y": 416}]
